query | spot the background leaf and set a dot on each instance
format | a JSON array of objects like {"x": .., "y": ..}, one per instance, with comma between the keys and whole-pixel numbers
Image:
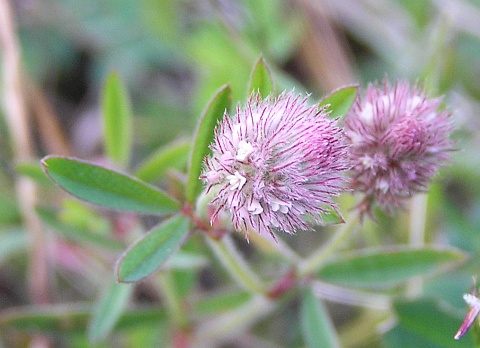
[
  {"x": 379, "y": 268},
  {"x": 317, "y": 328},
  {"x": 260, "y": 79},
  {"x": 216, "y": 107},
  {"x": 152, "y": 250},
  {"x": 34, "y": 171},
  {"x": 69, "y": 318},
  {"x": 107, "y": 310},
  {"x": 117, "y": 120},
  {"x": 432, "y": 322},
  {"x": 340, "y": 101},
  {"x": 105, "y": 187},
  {"x": 76, "y": 234},
  {"x": 172, "y": 156}
]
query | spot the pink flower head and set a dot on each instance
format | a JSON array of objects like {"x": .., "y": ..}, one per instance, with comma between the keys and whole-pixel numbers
[
  {"x": 399, "y": 140},
  {"x": 275, "y": 161}
]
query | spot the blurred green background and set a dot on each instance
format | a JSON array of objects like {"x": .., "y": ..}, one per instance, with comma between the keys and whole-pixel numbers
[{"x": 172, "y": 55}]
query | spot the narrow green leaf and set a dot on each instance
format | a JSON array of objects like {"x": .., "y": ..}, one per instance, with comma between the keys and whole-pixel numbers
[
  {"x": 340, "y": 101},
  {"x": 260, "y": 79},
  {"x": 172, "y": 156},
  {"x": 317, "y": 327},
  {"x": 76, "y": 234},
  {"x": 381, "y": 268},
  {"x": 107, "y": 310},
  {"x": 108, "y": 188},
  {"x": 152, "y": 250},
  {"x": 71, "y": 318},
  {"x": 117, "y": 120},
  {"x": 34, "y": 171},
  {"x": 432, "y": 321},
  {"x": 214, "y": 111}
]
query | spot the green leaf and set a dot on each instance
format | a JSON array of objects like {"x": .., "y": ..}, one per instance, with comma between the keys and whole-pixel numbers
[
  {"x": 339, "y": 101},
  {"x": 214, "y": 111},
  {"x": 380, "y": 268},
  {"x": 76, "y": 213},
  {"x": 108, "y": 188},
  {"x": 433, "y": 322},
  {"x": 152, "y": 250},
  {"x": 34, "y": 171},
  {"x": 117, "y": 120},
  {"x": 172, "y": 156},
  {"x": 107, "y": 310},
  {"x": 332, "y": 216},
  {"x": 317, "y": 327},
  {"x": 75, "y": 233},
  {"x": 71, "y": 318},
  {"x": 260, "y": 79},
  {"x": 400, "y": 337}
]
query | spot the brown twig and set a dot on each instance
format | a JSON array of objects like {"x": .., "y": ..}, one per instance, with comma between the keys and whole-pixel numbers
[
  {"x": 50, "y": 130},
  {"x": 324, "y": 52}
]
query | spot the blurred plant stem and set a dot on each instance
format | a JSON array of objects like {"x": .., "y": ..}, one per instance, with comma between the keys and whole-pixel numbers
[
  {"x": 235, "y": 264},
  {"x": 18, "y": 124},
  {"x": 172, "y": 300},
  {"x": 50, "y": 130},
  {"x": 418, "y": 215},
  {"x": 314, "y": 261},
  {"x": 211, "y": 332},
  {"x": 324, "y": 50}
]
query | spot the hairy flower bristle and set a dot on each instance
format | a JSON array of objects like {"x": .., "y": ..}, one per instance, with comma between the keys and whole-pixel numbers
[
  {"x": 399, "y": 139},
  {"x": 274, "y": 161}
]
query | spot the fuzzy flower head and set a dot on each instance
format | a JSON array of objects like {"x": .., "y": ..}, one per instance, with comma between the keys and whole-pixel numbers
[
  {"x": 274, "y": 162},
  {"x": 399, "y": 139}
]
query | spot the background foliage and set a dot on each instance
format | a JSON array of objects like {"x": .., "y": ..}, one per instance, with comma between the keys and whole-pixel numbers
[{"x": 169, "y": 58}]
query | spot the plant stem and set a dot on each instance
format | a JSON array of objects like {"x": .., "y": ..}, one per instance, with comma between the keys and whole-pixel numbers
[
  {"x": 210, "y": 333},
  {"x": 18, "y": 124},
  {"x": 418, "y": 213},
  {"x": 235, "y": 264},
  {"x": 173, "y": 301},
  {"x": 314, "y": 261}
]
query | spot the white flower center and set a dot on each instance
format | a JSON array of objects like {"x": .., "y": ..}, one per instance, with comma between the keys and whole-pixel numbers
[
  {"x": 279, "y": 206},
  {"x": 244, "y": 150},
  {"x": 367, "y": 113},
  {"x": 255, "y": 208},
  {"x": 383, "y": 185},
  {"x": 236, "y": 181},
  {"x": 415, "y": 101},
  {"x": 367, "y": 162}
]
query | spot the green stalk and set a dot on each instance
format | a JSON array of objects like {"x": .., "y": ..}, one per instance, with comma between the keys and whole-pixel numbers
[
  {"x": 173, "y": 301},
  {"x": 210, "y": 333},
  {"x": 317, "y": 258},
  {"x": 418, "y": 214},
  {"x": 235, "y": 264}
]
